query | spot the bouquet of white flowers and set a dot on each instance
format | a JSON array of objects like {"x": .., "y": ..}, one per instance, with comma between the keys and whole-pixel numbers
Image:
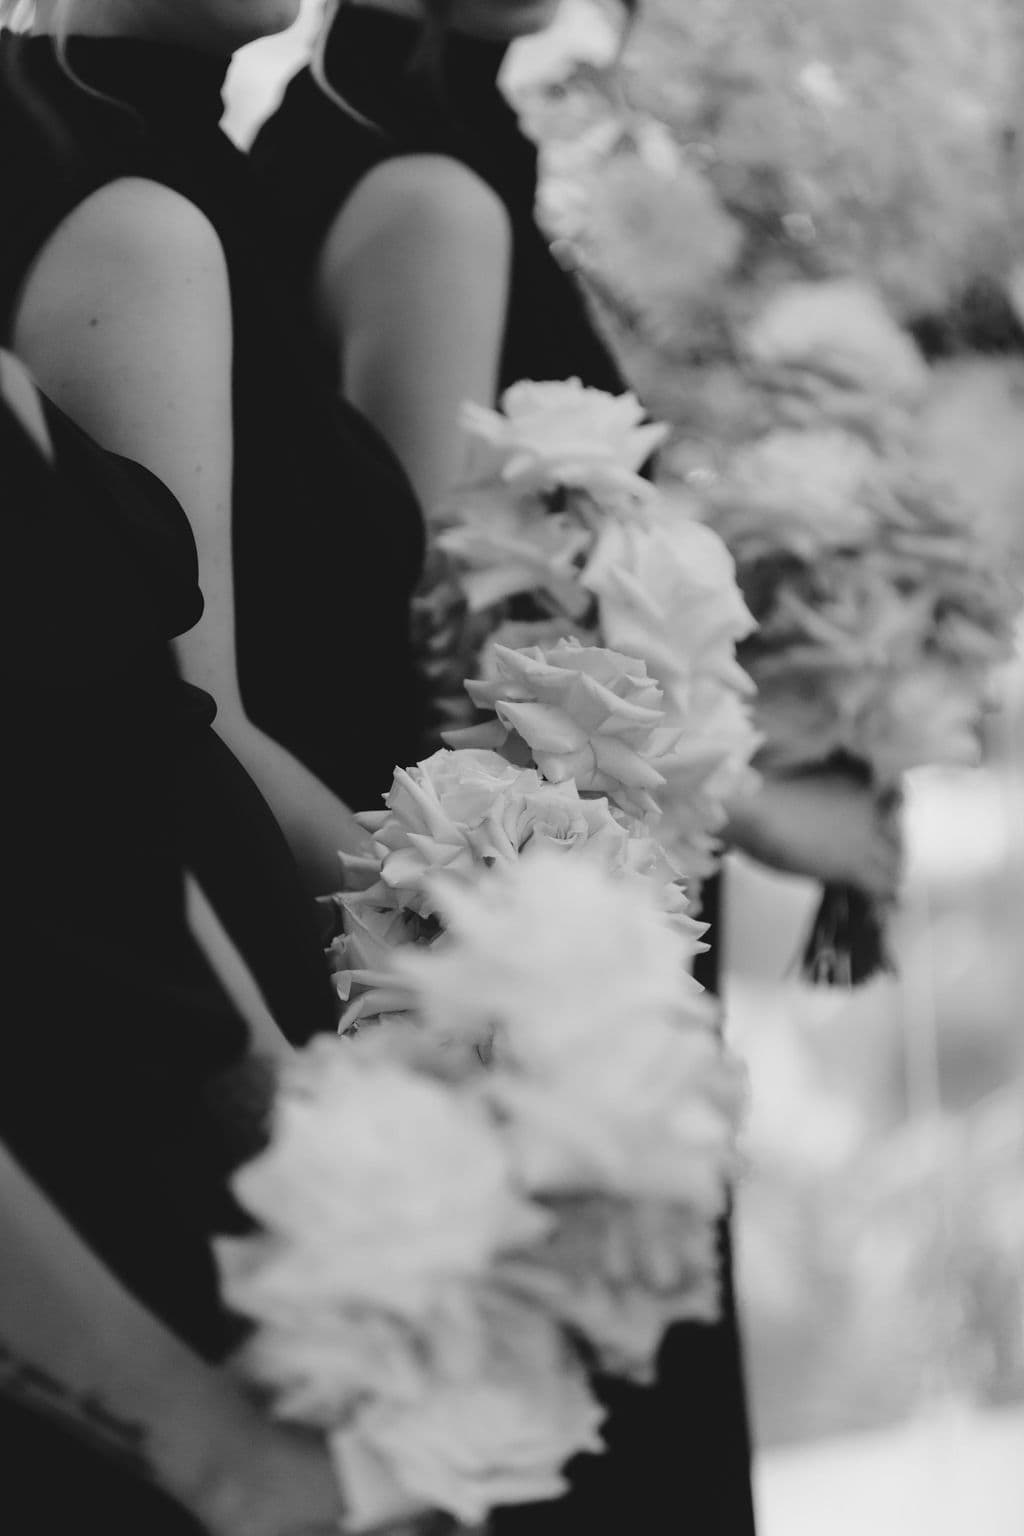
[
  {"x": 577, "y": 751},
  {"x": 556, "y": 539},
  {"x": 882, "y": 613},
  {"x": 618, "y": 1104},
  {"x": 458, "y": 1211}
]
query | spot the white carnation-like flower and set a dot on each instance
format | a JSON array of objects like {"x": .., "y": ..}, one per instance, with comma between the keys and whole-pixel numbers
[
  {"x": 379, "y": 1189},
  {"x": 608, "y": 1080},
  {"x": 620, "y": 1273},
  {"x": 492, "y": 1424},
  {"x": 562, "y": 949}
]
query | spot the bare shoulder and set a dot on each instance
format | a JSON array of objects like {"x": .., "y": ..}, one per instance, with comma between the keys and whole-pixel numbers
[
  {"x": 128, "y": 238},
  {"x": 422, "y": 198},
  {"x": 125, "y": 321}
]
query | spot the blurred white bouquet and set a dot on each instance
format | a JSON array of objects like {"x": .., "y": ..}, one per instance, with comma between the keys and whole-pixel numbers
[
  {"x": 882, "y": 612},
  {"x": 598, "y": 597},
  {"x": 456, "y": 1210},
  {"x": 618, "y": 1104}
]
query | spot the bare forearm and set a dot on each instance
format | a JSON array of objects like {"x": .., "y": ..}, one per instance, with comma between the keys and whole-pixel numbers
[
  {"x": 316, "y": 823},
  {"x": 80, "y": 1350}
]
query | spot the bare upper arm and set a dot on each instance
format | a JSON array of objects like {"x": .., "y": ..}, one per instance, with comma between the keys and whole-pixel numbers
[
  {"x": 125, "y": 320},
  {"x": 414, "y": 206},
  {"x": 412, "y": 286}
]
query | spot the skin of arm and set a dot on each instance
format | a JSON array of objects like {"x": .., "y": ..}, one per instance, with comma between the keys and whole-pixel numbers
[
  {"x": 125, "y": 320},
  {"x": 265, "y": 1036},
  {"x": 822, "y": 826},
  {"x": 412, "y": 288},
  {"x": 78, "y": 1349},
  {"x": 19, "y": 392}
]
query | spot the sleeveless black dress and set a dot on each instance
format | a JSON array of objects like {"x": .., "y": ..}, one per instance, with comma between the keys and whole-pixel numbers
[
  {"x": 679, "y": 1457},
  {"x": 328, "y": 538},
  {"x": 127, "y": 1090}
]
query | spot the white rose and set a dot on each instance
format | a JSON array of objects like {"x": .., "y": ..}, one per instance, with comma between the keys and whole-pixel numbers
[
  {"x": 503, "y": 545},
  {"x": 583, "y": 713},
  {"x": 668, "y": 594},
  {"x": 563, "y": 435}
]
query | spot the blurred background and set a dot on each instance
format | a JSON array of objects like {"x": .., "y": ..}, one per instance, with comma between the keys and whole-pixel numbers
[{"x": 881, "y": 1220}]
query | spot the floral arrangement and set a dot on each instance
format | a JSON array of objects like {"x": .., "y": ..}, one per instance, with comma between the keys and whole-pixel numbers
[
  {"x": 738, "y": 229},
  {"x": 583, "y": 743},
  {"x": 795, "y": 139},
  {"x": 882, "y": 607},
  {"x": 568, "y": 562},
  {"x": 515, "y": 974},
  {"x": 458, "y": 1211}
]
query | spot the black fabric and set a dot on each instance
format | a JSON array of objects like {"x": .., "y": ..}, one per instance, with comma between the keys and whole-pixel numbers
[
  {"x": 680, "y": 1451},
  {"x": 328, "y": 538},
  {"x": 311, "y": 155},
  {"x": 127, "y": 1091}
]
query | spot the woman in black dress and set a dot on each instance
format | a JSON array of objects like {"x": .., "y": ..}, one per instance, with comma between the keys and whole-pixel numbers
[
  {"x": 131, "y": 1085},
  {"x": 410, "y": 187},
  {"x": 143, "y": 283}
]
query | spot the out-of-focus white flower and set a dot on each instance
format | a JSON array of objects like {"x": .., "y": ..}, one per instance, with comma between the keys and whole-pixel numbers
[
  {"x": 658, "y": 234},
  {"x": 565, "y": 436},
  {"x": 842, "y": 329},
  {"x": 493, "y": 1425},
  {"x": 565, "y": 951},
  {"x": 581, "y": 33},
  {"x": 880, "y": 624},
  {"x": 379, "y": 1189},
  {"x": 582, "y": 713},
  {"x": 798, "y": 493},
  {"x": 619, "y": 1273},
  {"x": 927, "y": 715},
  {"x": 665, "y": 1135},
  {"x": 610, "y": 1084}
]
